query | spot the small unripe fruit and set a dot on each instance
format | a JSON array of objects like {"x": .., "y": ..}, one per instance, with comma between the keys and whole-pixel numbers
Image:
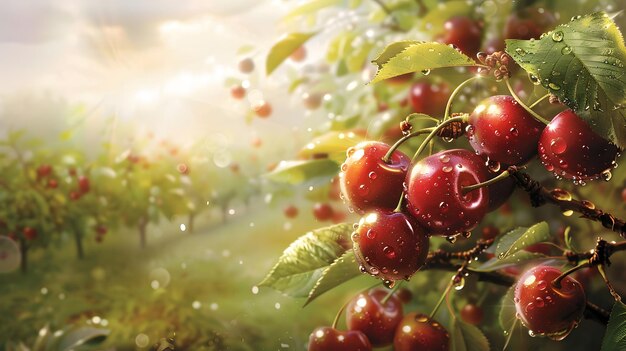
[
  {"x": 262, "y": 109},
  {"x": 237, "y": 92},
  {"x": 44, "y": 171},
  {"x": 53, "y": 184},
  {"x": 299, "y": 55},
  {"x": 83, "y": 184}
]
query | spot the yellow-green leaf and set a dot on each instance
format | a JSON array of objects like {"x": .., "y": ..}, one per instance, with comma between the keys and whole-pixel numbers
[{"x": 285, "y": 47}]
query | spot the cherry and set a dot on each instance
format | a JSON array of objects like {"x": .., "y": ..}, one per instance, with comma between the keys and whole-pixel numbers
[
  {"x": 571, "y": 149},
  {"x": 246, "y": 65},
  {"x": 390, "y": 245},
  {"x": 299, "y": 55},
  {"x": 547, "y": 309},
  {"x": 237, "y": 92},
  {"x": 291, "y": 211},
  {"x": 502, "y": 130},
  {"x": 44, "y": 171},
  {"x": 322, "y": 211},
  {"x": 83, "y": 184},
  {"x": 312, "y": 101},
  {"x": 464, "y": 33},
  {"x": 419, "y": 332},
  {"x": 529, "y": 23},
  {"x": 428, "y": 98},
  {"x": 30, "y": 233},
  {"x": 74, "y": 195},
  {"x": 367, "y": 314},
  {"x": 472, "y": 314},
  {"x": 53, "y": 183},
  {"x": 500, "y": 192},
  {"x": 367, "y": 182},
  {"x": 435, "y": 193},
  {"x": 331, "y": 339},
  {"x": 262, "y": 109}
]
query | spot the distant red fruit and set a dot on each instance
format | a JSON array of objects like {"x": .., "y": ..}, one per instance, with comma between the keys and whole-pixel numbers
[
  {"x": 83, "y": 184},
  {"x": 53, "y": 184},
  {"x": 262, "y": 109},
  {"x": 323, "y": 212},
  {"x": 237, "y": 92},
  {"x": 30, "y": 233},
  {"x": 44, "y": 171},
  {"x": 74, "y": 195},
  {"x": 299, "y": 55},
  {"x": 291, "y": 211}
]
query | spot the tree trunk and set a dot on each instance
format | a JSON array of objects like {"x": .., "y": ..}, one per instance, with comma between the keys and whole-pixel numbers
[
  {"x": 80, "y": 253},
  {"x": 24, "y": 254},
  {"x": 143, "y": 223},
  {"x": 190, "y": 221}
]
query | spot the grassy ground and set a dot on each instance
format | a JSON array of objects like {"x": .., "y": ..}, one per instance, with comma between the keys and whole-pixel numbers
[{"x": 198, "y": 285}]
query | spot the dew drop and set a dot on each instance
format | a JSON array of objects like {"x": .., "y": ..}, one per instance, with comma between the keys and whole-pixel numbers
[
  {"x": 514, "y": 131},
  {"x": 590, "y": 205},
  {"x": 558, "y": 145},
  {"x": 554, "y": 86},
  {"x": 446, "y": 169},
  {"x": 493, "y": 165},
  {"x": 607, "y": 175},
  {"x": 539, "y": 302},
  {"x": 389, "y": 252},
  {"x": 542, "y": 285},
  {"x": 568, "y": 213},
  {"x": 534, "y": 79},
  {"x": 443, "y": 206},
  {"x": 562, "y": 195},
  {"x": 371, "y": 234},
  {"x": 389, "y": 284},
  {"x": 426, "y": 72},
  {"x": 372, "y": 175},
  {"x": 363, "y": 189},
  {"x": 557, "y": 36},
  {"x": 520, "y": 51},
  {"x": 566, "y": 50}
]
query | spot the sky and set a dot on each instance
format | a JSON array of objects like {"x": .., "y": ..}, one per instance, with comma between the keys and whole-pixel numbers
[{"x": 160, "y": 64}]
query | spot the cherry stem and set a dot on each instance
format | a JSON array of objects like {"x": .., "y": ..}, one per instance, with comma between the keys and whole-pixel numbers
[
  {"x": 446, "y": 114},
  {"x": 435, "y": 131},
  {"x": 557, "y": 281},
  {"x": 400, "y": 202},
  {"x": 608, "y": 283},
  {"x": 392, "y": 291},
  {"x": 443, "y": 296},
  {"x": 499, "y": 177},
  {"x": 519, "y": 101},
  {"x": 338, "y": 315},
  {"x": 539, "y": 100},
  {"x": 394, "y": 147}
]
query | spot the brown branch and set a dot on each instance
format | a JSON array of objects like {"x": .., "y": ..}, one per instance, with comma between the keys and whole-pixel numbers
[{"x": 540, "y": 195}]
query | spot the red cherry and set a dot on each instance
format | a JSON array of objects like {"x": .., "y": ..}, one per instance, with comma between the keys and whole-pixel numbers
[
  {"x": 30, "y": 233},
  {"x": 299, "y": 55},
  {"x": 472, "y": 314},
  {"x": 502, "y": 130},
  {"x": 246, "y": 65},
  {"x": 390, "y": 245},
  {"x": 237, "y": 92},
  {"x": 323, "y": 212},
  {"x": 490, "y": 232},
  {"x": 428, "y": 98},
  {"x": 53, "y": 184},
  {"x": 435, "y": 192},
  {"x": 74, "y": 195},
  {"x": 419, "y": 332},
  {"x": 262, "y": 109},
  {"x": 529, "y": 23},
  {"x": 500, "y": 192},
  {"x": 44, "y": 171},
  {"x": 83, "y": 184},
  {"x": 405, "y": 295},
  {"x": 331, "y": 339},
  {"x": 367, "y": 314},
  {"x": 571, "y": 149},
  {"x": 312, "y": 101},
  {"x": 291, "y": 211},
  {"x": 367, "y": 182},
  {"x": 464, "y": 33},
  {"x": 546, "y": 309}
]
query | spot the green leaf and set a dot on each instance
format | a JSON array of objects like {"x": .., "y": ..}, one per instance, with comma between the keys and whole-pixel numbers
[
  {"x": 245, "y": 49},
  {"x": 518, "y": 258},
  {"x": 285, "y": 47},
  {"x": 334, "y": 144},
  {"x": 506, "y": 317},
  {"x": 615, "y": 335},
  {"x": 567, "y": 237},
  {"x": 466, "y": 337},
  {"x": 305, "y": 260},
  {"x": 297, "y": 172},
  {"x": 582, "y": 63},
  {"x": 413, "y": 56},
  {"x": 521, "y": 238},
  {"x": 296, "y": 83},
  {"x": 343, "y": 269}
]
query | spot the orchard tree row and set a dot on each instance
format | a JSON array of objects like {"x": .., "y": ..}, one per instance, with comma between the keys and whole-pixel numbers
[
  {"x": 56, "y": 195},
  {"x": 493, "y": 96}
]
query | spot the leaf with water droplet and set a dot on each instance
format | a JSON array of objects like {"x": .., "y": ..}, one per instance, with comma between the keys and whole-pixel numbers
[
  {"x": 520, "y": 238},
  {"x": 586, "y": 55}
]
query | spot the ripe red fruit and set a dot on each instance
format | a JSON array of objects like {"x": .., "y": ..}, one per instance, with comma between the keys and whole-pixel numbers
[
  {"x": 405, "y": 295},
  {"x": 546, "y": 309},
  {"x": 529, "y": 23},
  {"x": 246, "y": 65},
  {"x": 331, "y": 339},
  {"x": 571, "y": 149},
  {"x": 464, "y": 33},
  {"x": 322, "y": 211},
  {"x": 262, "y": 109},
  {"x": 503, "y": 131},
  {"x": 312, "y": 101},
  {"x": 44, "y": 171},
  {"x": 299, "y": 55},
  {"x": 291, "y": 211},
  {"x": 30, "y": 233},
  {"x": 500, "y": 192},
  {"x": 472, "y": 314},
  {"x": 435, "y": 193},
  {"x": 367, "y": 182},
  {"x": 237, "y": 92},
  {"x": 53, "y": 184},
  {"x": 367, "y": 314},
  {"x": 83, "y": 184},
  {"x": 428, "y": 98},
  {"x": 74, "y": 195},
  {"x": 390, "y": 245},
  {"x": 418, "y": 332}
]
